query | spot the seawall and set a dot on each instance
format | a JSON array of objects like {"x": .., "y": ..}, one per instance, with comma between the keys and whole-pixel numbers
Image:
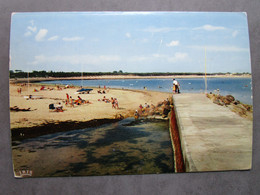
[{"x": 212, "y": 138}]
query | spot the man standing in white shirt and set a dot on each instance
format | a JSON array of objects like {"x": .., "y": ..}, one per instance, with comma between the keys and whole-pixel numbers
[{"x": 176, "y": 86}]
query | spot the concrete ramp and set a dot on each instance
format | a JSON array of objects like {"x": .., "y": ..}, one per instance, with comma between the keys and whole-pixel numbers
[{"x": 213, "y": 138}]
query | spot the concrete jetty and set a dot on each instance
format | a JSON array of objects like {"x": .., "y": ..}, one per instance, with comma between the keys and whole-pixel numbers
[{"x": 212, "y": 137}]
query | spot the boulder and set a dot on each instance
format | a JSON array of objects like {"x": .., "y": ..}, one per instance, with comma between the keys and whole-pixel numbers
[{"x": 230, "y": 98}]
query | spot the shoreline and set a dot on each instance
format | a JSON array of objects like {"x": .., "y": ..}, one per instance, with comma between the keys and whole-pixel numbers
[
  {"x": 110, "y": 77},
  {"x": 56, "y": 127}
]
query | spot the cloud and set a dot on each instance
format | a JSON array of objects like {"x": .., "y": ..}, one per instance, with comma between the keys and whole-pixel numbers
[
  {"x": 128, "y": 35},
  {"x": 234, "y": 34},
  {"x": 157, "y": 30},
  {"x": 172, "y": 44},
  {"x": 72, "y": 38},
  {"x": 178, "y": 56},
  {"x": 32, "y": 28},
  {"x": 156, "y": 55},
  {"x": 225, "y": 48},
  {"x": 76, "y": 59},
  {"x": 41, "y": 34},
  {"x": 28, "y": 33},
  {"x": 138, "y": 58},
  {"x": 208, "y": 27},
  {"x": 53, "y": 38},
  {"x": 162, "y": 29}
]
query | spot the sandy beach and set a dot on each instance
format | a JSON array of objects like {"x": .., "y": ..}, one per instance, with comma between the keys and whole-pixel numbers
[{"x": 129, "y": 101}]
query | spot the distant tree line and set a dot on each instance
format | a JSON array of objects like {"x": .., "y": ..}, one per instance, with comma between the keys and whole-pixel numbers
[{"x": 46, "y": 74}]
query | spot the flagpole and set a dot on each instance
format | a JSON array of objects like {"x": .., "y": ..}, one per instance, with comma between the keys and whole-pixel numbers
[
  {"x": 81, "y": 75},
  {"x": 205, "y": 71},
  {"x": 28, "y": 82}
]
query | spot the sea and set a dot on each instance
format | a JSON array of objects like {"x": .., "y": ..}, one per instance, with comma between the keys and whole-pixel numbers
[{"x": 240, "y": 88}]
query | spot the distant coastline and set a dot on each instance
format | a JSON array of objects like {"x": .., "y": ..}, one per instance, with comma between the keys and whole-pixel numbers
[{"x": 39, "y": 79}]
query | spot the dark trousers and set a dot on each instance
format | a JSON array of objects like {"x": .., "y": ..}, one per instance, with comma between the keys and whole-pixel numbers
[{"x": 177, "y": 89}]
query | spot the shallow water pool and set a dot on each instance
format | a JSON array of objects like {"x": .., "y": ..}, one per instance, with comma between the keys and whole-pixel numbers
[{"x": 125, "y": 147}]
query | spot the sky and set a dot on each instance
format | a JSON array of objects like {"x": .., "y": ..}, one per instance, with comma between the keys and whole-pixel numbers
[{"x": 130, "y": 41}]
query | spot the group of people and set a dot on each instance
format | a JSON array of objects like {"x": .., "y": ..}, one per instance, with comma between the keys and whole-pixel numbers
[
  {"x": 56, "y": 107},
  {"x": 145, "y": 110},
  {"x": 101, "y": 92},
  {"x": 72, "y": 102},
  {"x": 112, "y": 100},
  {"x": 114, "y": 103},
  {"x": 19, "y": 90}
]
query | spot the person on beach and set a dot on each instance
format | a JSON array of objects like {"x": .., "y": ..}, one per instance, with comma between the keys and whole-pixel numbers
[
  {"x": 141, "y": 108},
  {"x": 136, "y": 115},
  {"x": 113, "y": 102},
  {"x": 79, "y": 101},
  {"x": 71, "y": 102},
  {"x": 59, "y": 108},
  {"x": 68, "y": 98},
  {"x": 19, "y": 90},
  {"x": 116, "y": 104},
  {"x": 176, "y": 86}
]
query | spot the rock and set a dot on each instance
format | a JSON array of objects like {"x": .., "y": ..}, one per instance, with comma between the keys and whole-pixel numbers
[
  {"x": 159, "y": 104},
  {"x": 247, "y": 107},
  {"x": 230, "y": 98},
  {"x": 166, "y": 110},
  {"x": 218, "y": 102},
  {"x": 226, "y": 101},
  {"x": 236, "y": 102}
]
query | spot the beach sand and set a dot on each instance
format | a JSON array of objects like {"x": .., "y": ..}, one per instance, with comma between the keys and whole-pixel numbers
[{"x": 129, "y": 101}]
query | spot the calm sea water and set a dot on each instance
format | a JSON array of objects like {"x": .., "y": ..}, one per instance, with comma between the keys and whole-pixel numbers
[
  {"x": 240, "y": 88},
  {"x": 125, "y": 147}
]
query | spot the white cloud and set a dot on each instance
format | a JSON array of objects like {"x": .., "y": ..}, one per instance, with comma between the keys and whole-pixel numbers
[
  {"x": 156, "y": 55},
  {"x": 128, "y": 35},
  {"x": 41, "y": 34},
  {"x": 208, "y": 27},
  {"x": 27, "y": 34},
  {"x": 234, "y": 34},
  {"x": 220, "y": 48},
  {"x": 157, "y": 30},
  {"x": 53, "y": 38},
  {"x": 139, "y": 58},
  {"x": 32, "y": 28},
  {"x": 72, "y": 38},
  {"x": 172, "y": 44},
  {"x": 178, "y": 56},
  {"x": 76, "y": 59},
  {"x": 163, "y": 29}
]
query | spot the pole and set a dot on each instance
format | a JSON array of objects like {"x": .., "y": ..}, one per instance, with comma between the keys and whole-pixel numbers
[
  {"x": 28, "y": 82},
  {"x": 81, "y": 75},
  {"x": 205, "y": 71}
]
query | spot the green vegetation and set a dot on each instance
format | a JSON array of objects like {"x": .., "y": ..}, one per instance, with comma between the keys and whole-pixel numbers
[{"x": 45, "y": 74}]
